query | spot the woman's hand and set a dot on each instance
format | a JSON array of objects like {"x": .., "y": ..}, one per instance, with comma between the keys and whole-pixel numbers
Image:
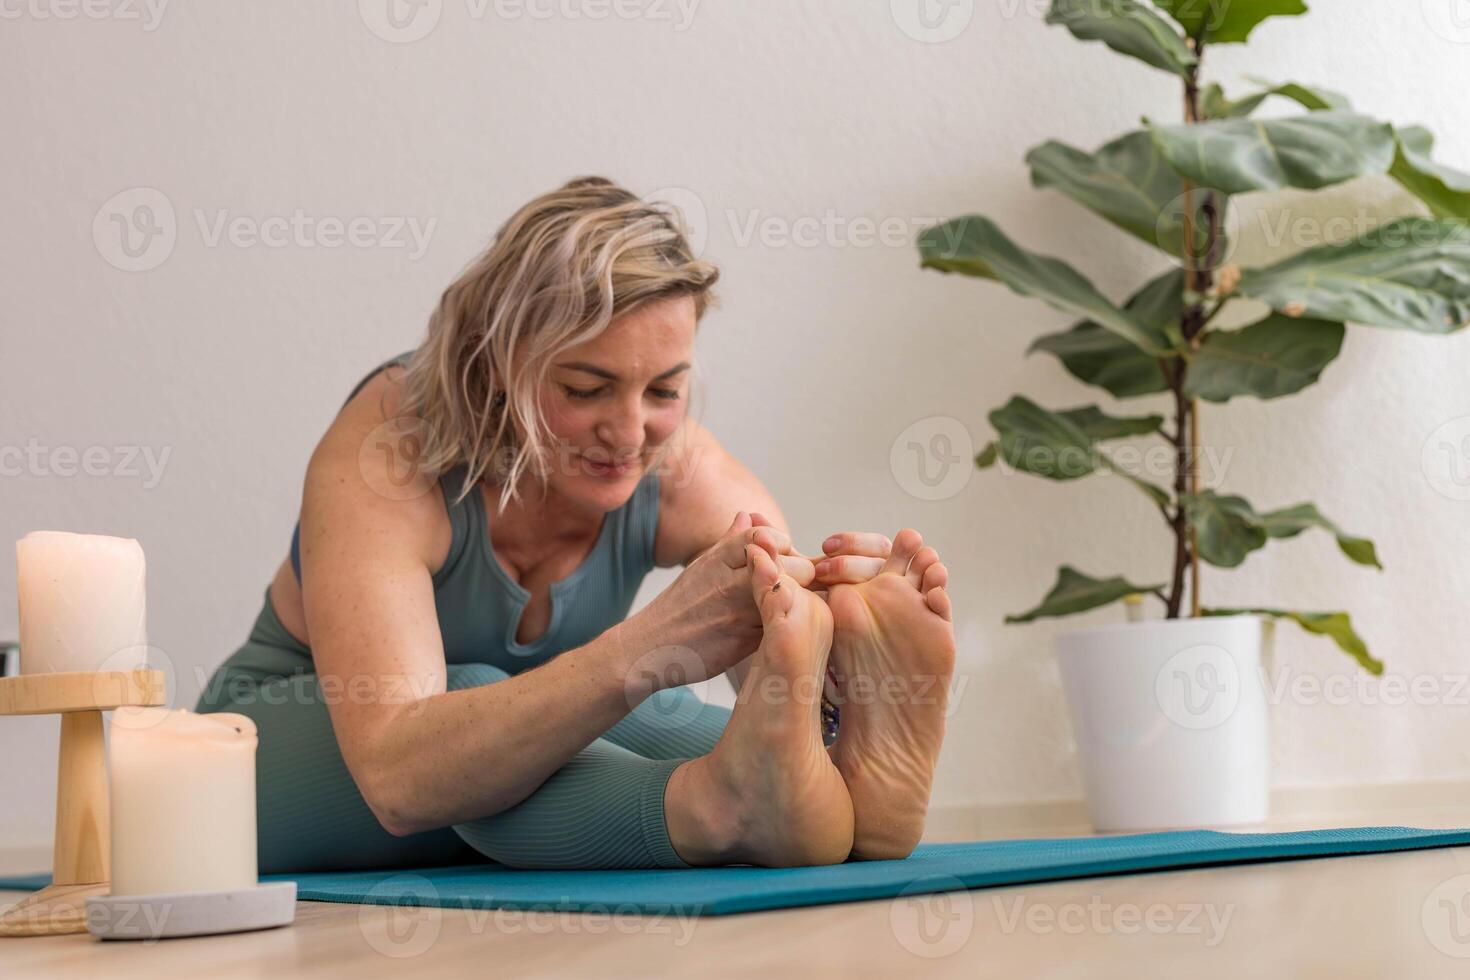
[
  {"x": 851, "y": 557},
  {"x": 706, "y": 622}
]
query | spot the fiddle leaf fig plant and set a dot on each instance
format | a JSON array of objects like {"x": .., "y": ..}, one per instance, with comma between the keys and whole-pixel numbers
[{"x": 1170, "y": 185}]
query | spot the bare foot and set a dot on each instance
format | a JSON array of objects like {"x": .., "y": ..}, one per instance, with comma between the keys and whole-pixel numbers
[
  {"x": 893, "y": 651},
  {"x": 768, "y": 793}
]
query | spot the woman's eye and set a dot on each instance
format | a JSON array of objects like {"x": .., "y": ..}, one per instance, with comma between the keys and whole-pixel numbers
[
  {"x": 582, "y": 392},
  {"x": 671, "y": 394}
]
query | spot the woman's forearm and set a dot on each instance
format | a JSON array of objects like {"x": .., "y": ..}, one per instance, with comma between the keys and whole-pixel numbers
[{"x": 460, "y": 755}]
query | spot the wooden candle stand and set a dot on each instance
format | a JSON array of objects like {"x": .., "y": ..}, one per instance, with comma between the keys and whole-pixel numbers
[{"x": 81, "y": 859}]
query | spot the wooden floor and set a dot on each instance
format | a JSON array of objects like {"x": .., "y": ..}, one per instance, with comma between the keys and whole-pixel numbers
[{"x": 1400, "y": 915}]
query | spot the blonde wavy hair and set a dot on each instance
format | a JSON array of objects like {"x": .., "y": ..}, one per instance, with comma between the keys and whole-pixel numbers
[{"x": 557, "y": 273}]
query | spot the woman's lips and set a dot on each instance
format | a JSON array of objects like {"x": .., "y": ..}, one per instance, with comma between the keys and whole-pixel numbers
[{"x": 606, "y": 468}]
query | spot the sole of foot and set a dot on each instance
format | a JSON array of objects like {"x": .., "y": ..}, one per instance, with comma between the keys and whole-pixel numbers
[
  {"x": 768, "y": 793},
  {"x": 893, "y": 650}
]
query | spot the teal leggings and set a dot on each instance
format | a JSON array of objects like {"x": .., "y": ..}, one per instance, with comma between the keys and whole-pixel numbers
[{"x": 603, "y": 809}]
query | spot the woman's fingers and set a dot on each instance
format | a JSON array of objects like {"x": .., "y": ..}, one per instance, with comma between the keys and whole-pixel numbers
[
  {"x": 866, "y": 543},
  {"x": 799, "y": 568},
  {"x": 847, "y": 569},
  {"x": 772, "y": 540}
]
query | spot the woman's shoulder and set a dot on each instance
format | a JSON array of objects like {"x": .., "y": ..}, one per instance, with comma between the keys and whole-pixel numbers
[
  {"x": 702, "y": 485},
  {"x": 364, "y": 474}
]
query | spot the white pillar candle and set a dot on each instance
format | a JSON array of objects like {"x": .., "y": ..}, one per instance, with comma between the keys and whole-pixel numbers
[
  {"x": 81, "y": 602},
  {"x": 183, "y": 801}
]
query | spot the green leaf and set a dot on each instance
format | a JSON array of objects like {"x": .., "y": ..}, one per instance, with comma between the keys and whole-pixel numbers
[
  {"x": 1445, "y": 189},
  {"x": 986, "y": 457},
  {"x": 1312, "y": 97},
  {"x": 1127, "y": 27},
  {"x": 1336, "y": 625},
  {"x": 1412, "y": 274},
  {"x": 1099, "y": 427},
  {"x": 1288, "y": 522},
  {"x": 1311, "y": 151},
  {"x": 1226, "y": 528},
  {"x": 1075, "y": 592},
  {"x": 1044, "y": 443},
  {"x": 1100, "y": 357},
  {"x": 1227, "y": 21},
  {"x": 1215, "y": 105},
  {"x": 1277, "y": 356},
  {"x": 1128, "y": 183},
  {"x": 973, "y": 245},
  {"x": 1060, "y": 445}
]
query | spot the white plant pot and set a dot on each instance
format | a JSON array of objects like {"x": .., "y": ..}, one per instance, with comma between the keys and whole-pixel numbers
[{"x": 1170, "y": 721}]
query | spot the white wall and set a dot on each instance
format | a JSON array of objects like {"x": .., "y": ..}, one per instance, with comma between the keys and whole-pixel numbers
[{"x": 233, "y": 358}]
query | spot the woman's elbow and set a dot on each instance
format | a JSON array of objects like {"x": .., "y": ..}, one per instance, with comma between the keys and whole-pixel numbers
[
  {"x": 388, "y": 794},
  {"x": 398, "y": 815}
]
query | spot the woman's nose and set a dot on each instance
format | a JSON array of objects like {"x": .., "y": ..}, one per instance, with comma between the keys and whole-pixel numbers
[{"x": 622, "y": 429}]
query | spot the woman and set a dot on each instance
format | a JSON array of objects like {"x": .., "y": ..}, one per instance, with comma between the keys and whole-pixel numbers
[{"x": 432, "y": 683}]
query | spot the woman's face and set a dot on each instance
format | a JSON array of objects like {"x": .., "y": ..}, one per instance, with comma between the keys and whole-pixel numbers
[{"x": 613, "y": 401}]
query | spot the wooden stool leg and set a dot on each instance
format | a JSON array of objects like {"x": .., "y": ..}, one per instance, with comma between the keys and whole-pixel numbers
[{"x": 80, "y": 858}]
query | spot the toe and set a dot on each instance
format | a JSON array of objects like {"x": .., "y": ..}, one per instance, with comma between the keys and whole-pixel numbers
[
  {"x": 938, "y": 600},
  {"x": 935, "y": 576},
  {"x": 906, "y": 544},
  {"x": 773, "y": 592},
  {"x": 926, "y": 558}
]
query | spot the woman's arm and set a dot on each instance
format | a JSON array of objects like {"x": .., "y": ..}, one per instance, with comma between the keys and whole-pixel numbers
[{"x": 424, "y": 757}]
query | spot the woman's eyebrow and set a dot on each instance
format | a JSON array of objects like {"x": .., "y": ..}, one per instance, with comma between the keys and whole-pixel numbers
[{"x": 593, "y": 369}]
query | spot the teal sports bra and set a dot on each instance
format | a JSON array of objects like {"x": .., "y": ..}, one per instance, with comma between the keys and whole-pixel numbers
[{"x": 479, "y": 605}]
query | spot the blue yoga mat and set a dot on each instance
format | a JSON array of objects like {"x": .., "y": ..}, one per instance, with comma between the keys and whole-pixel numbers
[{"x": 931, "y": 868}]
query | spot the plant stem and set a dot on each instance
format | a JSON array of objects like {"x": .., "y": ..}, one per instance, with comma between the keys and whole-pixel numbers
[
  {"x": 1194, "y": 594},
  {"x": 1199, "y": 276},
  {"x": 1179, "y": 524}
]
